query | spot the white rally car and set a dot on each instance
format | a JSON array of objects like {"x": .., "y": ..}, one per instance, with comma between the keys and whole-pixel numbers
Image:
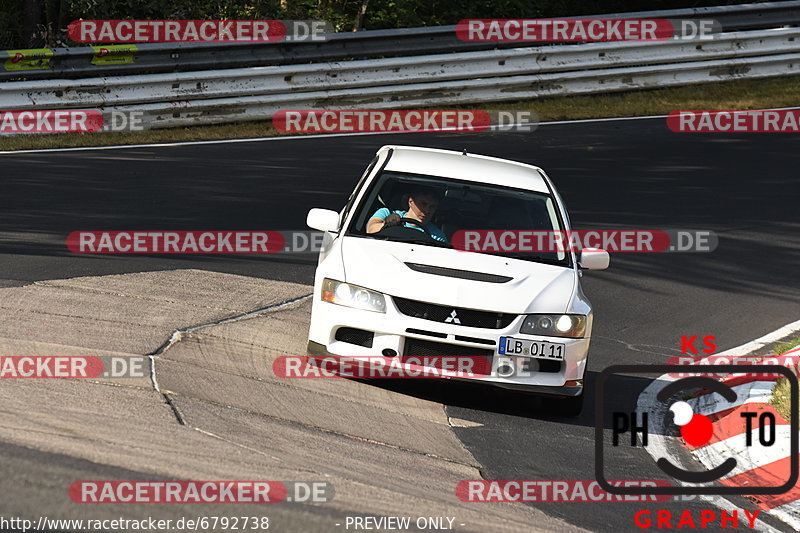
[{"x": 390, "y": 283}]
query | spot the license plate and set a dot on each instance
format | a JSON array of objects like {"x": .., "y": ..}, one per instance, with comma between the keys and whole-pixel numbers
[{"x": 527, "y": 348}]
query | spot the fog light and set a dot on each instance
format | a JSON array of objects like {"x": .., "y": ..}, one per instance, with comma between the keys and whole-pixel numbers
[
  {"x": 505, "y": 371},
  {"x": 388, "y": 352}
]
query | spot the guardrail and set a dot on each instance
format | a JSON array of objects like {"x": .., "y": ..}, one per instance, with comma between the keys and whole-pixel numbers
[
  {"x": 180, "y": 99},
  {"x": 87, "y": 61},
  {"x": 505, "y": 68},
  {"x": 232, "y": 95}
]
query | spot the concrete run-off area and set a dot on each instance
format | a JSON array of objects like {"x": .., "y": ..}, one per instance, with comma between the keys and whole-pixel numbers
[{"x": 213, "y": 410}]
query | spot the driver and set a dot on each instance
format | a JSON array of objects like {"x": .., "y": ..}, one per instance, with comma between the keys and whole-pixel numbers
[{"x": 422, "y": 205}]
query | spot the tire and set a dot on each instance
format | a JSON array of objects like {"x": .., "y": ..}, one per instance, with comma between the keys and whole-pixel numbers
[{"x": 568, "y": 407}]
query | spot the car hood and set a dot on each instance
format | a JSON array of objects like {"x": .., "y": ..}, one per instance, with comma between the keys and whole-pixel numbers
[{"x": 383, "y": 266}]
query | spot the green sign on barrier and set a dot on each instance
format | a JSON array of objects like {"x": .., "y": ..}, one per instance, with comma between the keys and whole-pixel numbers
[
  {"x": 32, "y": 59},
  {"x": 114, "y": 54}
]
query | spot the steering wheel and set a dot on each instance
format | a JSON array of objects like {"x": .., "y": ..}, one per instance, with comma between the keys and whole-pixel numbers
[{"x": 417, "y": 223}]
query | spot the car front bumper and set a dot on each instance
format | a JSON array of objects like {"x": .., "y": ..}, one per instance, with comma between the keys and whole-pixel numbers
[
  {"x": 575, "y": 388},
  {"x": 393, "y": 330}
]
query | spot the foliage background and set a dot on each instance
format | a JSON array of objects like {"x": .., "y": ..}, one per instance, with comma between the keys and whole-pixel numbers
[{"x": 40, "y": 23}]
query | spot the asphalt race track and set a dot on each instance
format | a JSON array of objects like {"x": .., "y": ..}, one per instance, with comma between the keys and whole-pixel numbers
[{"x": 615, "y": 174}]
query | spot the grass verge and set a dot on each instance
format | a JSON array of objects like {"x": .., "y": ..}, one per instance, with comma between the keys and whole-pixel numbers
[
  {"x": 737, "y": 94},
  {"x": 781, "y": 395}
]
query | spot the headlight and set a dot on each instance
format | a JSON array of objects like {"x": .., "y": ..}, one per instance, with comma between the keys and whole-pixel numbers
[
  {"x": 573, "y": 326},
  {"x": 337, "y": 292}
]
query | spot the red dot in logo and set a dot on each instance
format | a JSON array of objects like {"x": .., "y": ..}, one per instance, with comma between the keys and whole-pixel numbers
[{"x": 698, "y": 431}]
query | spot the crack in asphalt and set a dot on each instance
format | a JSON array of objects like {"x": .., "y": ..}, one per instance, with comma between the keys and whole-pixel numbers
[
  {"x": 178, "y": 334},
  {"x": 633, "y": 347}
]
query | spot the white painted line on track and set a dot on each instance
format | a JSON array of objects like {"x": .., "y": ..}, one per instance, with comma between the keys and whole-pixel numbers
[
  {"x": 789, "y": 513},
  {"x": 759, "y": 343},
  {"x": 299, "y": 137},
  {"x": 327, "y": 135}
]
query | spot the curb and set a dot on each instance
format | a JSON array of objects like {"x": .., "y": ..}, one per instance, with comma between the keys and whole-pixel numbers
[
  {"x": 757, "y": 465},
  {"x": 661, "y": 445}
]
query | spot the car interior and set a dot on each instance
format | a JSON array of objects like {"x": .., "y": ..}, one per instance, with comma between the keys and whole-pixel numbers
[{"x": 465, "y": 207}]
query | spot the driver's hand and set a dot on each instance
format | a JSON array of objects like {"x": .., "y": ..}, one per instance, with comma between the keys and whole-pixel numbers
[{"x": 392, "y": 220}]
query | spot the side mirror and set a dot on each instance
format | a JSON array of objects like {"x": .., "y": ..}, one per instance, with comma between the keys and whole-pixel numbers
[
  {"x": 323, "y": 220},
  {"x": 593, "y": 259}
]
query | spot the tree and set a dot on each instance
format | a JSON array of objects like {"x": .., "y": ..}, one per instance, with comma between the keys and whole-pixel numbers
[{"x": 362, "y": 10}]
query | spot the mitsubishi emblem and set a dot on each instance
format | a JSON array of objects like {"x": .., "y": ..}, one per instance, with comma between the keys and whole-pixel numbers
[{"x": 453, "y": 318}]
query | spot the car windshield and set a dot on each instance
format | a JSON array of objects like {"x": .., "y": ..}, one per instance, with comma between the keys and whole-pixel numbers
[{"x": 453, "y": 205}]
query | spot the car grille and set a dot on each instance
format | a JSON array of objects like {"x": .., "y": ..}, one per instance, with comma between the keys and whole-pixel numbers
[
  {"x": 444, "y": 313},
  {"x": 541, "y": 365},
  {"x": 426, "y": 332},
  {"x": 359, "y": 337},
  {"x": 481, "y": 359},
  {"x": 425, "y": 348},
  {"x": 475, "y": 340}
]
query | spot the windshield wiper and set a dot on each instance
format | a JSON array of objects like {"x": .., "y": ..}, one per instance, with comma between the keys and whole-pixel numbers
[
  {"x": 540, "y": 259},
  {"x": 431, "y": 242}
]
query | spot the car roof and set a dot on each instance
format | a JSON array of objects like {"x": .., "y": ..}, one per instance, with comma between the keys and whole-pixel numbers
[{"x": 470, "y": 167}]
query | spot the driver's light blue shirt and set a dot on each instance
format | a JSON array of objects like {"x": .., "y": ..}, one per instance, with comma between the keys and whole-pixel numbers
[{"x": 435, "y": 232}]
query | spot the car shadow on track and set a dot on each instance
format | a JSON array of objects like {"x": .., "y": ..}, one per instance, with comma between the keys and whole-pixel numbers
[{"x": 621, "y": 393}]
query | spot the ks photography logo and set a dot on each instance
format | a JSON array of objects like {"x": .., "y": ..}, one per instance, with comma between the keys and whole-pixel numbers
[{"x": 633, "y": 429}]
